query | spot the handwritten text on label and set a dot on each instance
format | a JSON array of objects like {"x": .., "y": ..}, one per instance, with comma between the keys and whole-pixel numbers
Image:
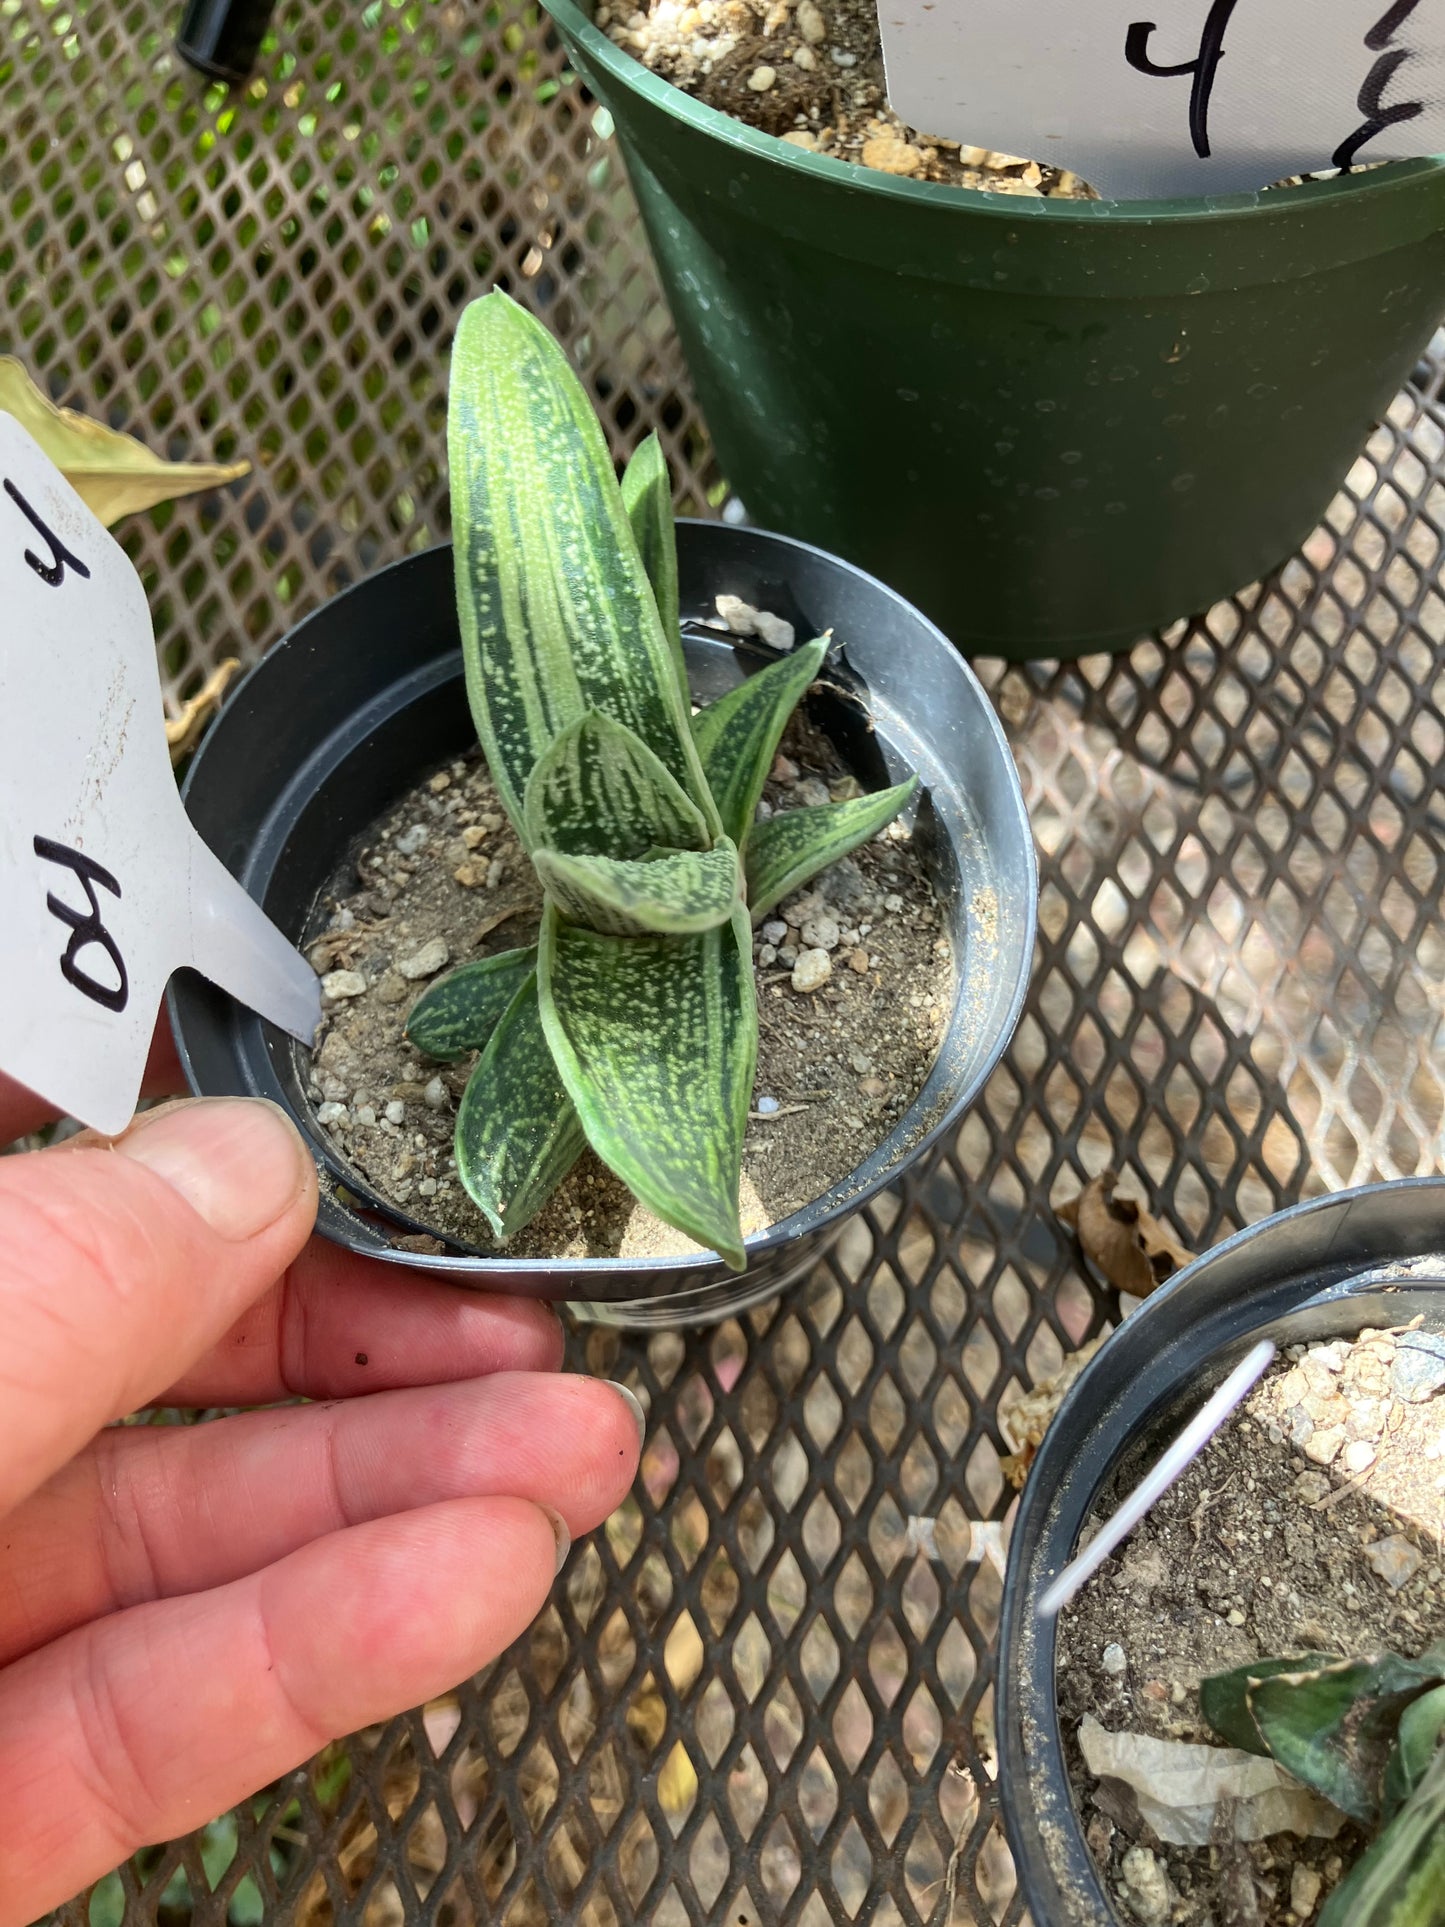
[
  {"x": 1174, "y": 97},
  {"x": 105, "y": 888}
]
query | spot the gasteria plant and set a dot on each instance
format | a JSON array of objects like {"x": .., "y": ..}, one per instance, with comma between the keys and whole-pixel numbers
[
  {"x": 1369, "y": 1734},
  {"x": 632, "y": 1024}
]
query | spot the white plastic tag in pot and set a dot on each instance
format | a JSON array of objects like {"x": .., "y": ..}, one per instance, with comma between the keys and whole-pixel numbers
[
  {"x": 1149, "y": 98},
  {"x": 105, "y": 888}
]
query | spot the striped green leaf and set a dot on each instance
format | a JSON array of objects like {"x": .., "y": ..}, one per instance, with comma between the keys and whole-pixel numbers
[
  {"x": 677, "y": 892},
  {"x": 656, "y": 1039},
  {"x": 738, "y": 735},
  {"x": 517, "y": 1133},
  {"x": 1422, "y": 1730},
  {"x": 786, "y": 850},
  {"x": 556, "y": 612},
  {"x": 1334, "y": 1728},
  {"x": 598, "y": 790},
  {"x": 1331, "y": 1723},
  {"x": 1400, "y": 1880},
  {"x": 460, "y": 1011},
  {"x": 647, "y": 497},
  {"x": 1224, "y": 1697}
]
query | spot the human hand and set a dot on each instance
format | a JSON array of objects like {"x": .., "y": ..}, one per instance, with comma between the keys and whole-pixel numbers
[{"x": 188, "y": 1612}]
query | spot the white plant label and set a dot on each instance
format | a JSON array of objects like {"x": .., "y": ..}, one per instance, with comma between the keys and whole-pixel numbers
[
  {"x": 105, "y": 888},
  {"x": 1147, "y": 98}
]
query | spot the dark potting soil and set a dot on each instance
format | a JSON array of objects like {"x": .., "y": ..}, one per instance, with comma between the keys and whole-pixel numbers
[
  {"x": 441, "y": 880},
  {"x": 1315, "y": 1521},
  {"x": 812, "y": 72}
]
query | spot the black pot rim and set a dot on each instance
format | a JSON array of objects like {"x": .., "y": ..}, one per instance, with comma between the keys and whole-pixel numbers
[
  {"x": 1193, "y": 1328},
  {"x": 842, "y": 1199}
]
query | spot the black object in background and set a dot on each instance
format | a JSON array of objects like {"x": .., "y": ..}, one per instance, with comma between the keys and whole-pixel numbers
[{"x": 223, "y": 37}]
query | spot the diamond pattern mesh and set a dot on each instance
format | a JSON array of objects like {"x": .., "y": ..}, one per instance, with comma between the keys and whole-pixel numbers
[{"x": 762, "y": 1694}]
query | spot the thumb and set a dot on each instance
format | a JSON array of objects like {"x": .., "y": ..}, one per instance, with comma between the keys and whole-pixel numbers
[{"x": 122, "y": 1260}]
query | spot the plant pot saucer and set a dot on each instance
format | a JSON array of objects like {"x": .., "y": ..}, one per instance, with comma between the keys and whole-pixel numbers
[{"x": 344, "y": 714}]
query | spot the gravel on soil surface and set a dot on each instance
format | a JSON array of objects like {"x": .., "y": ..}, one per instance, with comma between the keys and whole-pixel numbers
[
  {"x": 812, "y": 72},
  {"x": 855, "y": 985},
  {"x": 1313, "y": 1522}
]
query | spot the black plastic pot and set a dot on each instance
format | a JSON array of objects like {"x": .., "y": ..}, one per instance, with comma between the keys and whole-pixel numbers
[
  {"x": 1322, "y": 1270},
  {"x": 344, "y": 715}
]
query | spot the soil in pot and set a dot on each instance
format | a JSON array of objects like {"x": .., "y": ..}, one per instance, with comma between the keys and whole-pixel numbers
[
  {"x": 812, "y": 72},
  {"x": 854, "y": 995},
  {"x": 1312, "y": 1522}
]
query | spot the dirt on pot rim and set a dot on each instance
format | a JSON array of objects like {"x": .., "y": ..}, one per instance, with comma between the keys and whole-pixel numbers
[
  {"x": 811, "y": 71},
  {"x": 1313, "y": 1521},
  {"x": 855, "y": 986}
]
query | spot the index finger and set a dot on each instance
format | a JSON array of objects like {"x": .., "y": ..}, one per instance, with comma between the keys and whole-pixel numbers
[{"x": 336, "y": 1325}]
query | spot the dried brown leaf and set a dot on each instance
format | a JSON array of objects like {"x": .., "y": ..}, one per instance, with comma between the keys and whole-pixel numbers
[
  {"x": 1025, "y": 1421},
  {"x": 1124, "y": 1240},
  {"x": 185, "y": 729},
  {"x": 113, "y": 474}
]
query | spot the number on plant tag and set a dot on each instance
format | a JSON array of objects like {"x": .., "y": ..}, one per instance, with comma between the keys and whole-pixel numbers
[
  {"x": 1174, "y": 97},
  {"x": 105, "y": 888}
]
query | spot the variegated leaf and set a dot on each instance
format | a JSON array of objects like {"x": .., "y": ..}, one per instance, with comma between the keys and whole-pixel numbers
[
  {"x": 1224, "y": 1697},
  {"x": 1333, "y": 1726},
  {"x": 786, "y": 850},
  {"x": 738, "y": 735},
  {"x": 656, "y": 1039},
  {"x": 598, "y": 790},
  {"x": 460, "y": 1011},
  {"x": 557, "y": 615},
  {"x": 1422, "y": 1733},
  {"x": 1400, "y": 1880},
  {"x": 647, "y": 496},
  {"x": 517, "y": 1133},
  {"x": 676, "y": 892}
]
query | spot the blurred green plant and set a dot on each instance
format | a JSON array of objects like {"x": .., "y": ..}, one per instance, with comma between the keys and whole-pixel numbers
[
  {"x": 1367, "y": 1734},
  {"x": 632, "y": 1024}
]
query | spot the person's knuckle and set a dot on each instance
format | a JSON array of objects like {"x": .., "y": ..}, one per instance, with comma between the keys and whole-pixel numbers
[{"x": 108, "y": 1762}]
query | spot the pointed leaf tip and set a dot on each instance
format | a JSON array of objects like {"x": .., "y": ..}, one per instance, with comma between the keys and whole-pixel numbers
[
  {"x": 112, "y": 473},
  {"x": 738, "y": 735},
  {"x": 460, "y": 1011},
  {"x": 786, "y": 850},
  {"x": 647, "y": 497}
]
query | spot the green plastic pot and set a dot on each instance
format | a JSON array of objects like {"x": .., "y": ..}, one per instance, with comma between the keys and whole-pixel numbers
[{"x": 1053, "y": 425}]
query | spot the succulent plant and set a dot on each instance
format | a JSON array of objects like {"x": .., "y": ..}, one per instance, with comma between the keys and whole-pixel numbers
[
  {"x": 1368, "y": 1734},
  {"x": 632, "y": 1024}
]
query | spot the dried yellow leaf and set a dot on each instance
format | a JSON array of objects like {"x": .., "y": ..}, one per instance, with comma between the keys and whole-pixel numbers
[
  {"x": 185, "y": 729},
  {"x": 1024, "y": 1423},
  {"x": 113, "y": 474}
]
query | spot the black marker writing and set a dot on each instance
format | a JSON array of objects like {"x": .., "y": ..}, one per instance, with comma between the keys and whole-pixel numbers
[
  {"x": 1371, "y": 102},
  {"x": 61, "y": 558},
  {"x": 1383, "y": 31},
  {"x": 1204, "y": 66},
  {"x": 85, "y": 927}
]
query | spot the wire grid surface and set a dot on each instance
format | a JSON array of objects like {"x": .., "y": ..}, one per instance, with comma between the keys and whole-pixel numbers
[{"x": 762, "y": 1694}]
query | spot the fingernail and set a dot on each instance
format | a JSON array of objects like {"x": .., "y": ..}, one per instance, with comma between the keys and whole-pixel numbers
[
  {"x": 238, "y": 1161},
  {"x": 559, "y": 1533},
  {"x": 634, "y": 1405}
]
